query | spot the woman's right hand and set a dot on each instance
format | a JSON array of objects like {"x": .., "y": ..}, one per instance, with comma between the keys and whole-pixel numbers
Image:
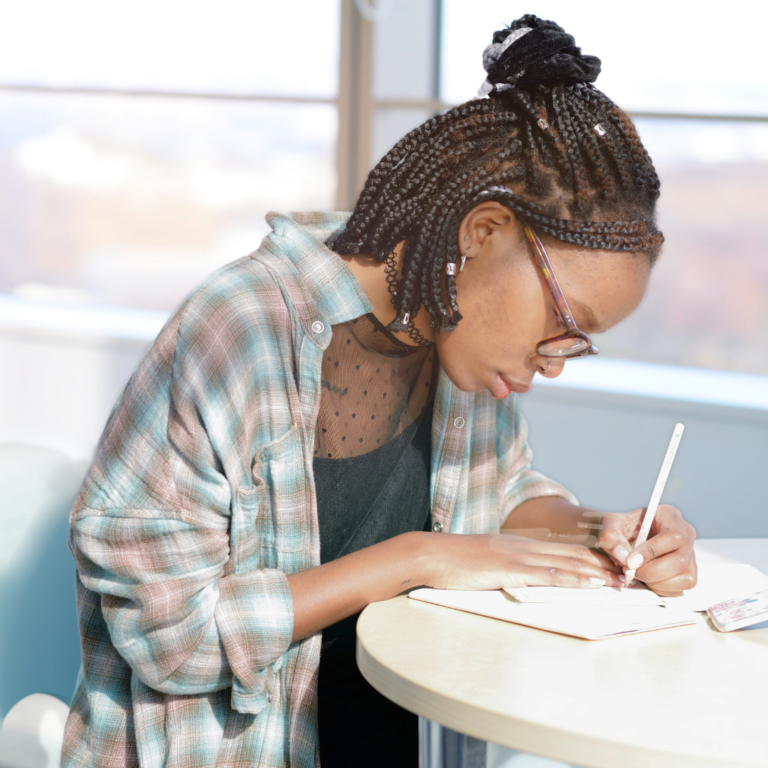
[{"x": 493, "y": 561}]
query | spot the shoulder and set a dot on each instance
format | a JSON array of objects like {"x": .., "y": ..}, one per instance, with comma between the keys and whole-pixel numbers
[
  {"x": 237, "y": 331},
  {"x": 243, "y": 292},
  {"x": 289, "y": 282}
]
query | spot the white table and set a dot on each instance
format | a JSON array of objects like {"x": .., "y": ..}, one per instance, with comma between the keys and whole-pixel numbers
[{"x": 683, "y": 697}]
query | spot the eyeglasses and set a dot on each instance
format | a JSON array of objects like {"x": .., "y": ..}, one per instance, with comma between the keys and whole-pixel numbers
[{"x": 572, "y": 343}]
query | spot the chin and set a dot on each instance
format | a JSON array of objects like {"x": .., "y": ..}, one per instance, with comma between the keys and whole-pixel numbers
[
  {"x": 465, "y": 382},
  {"x": 466, "y": 387}
]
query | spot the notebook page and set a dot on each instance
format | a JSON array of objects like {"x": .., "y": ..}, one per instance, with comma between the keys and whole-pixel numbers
[
  {"x": 590, "y": 623},
  {"x": 719, "y": 582}
]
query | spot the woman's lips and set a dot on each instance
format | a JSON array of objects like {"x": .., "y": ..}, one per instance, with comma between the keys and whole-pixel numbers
[{"x": 503, "y": 387}]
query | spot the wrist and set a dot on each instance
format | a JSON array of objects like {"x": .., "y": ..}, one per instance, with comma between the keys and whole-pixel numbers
[
  {"x": 420, "y": 551},
  {"x": 590, "y": 525}
]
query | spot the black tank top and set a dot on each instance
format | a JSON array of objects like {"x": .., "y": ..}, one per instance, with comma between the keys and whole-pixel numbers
[{"x": 361, "y": 501}]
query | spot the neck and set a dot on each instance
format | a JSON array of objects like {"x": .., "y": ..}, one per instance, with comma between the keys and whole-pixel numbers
[{"x": 372, "y": 276}]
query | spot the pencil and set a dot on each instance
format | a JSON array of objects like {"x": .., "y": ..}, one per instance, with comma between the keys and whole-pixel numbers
[{"x": 658, "y": 489}]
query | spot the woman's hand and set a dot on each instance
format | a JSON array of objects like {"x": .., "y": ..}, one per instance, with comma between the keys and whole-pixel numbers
[
  {"x": 459, "y": 561},
  {"x": 665, "y": 562}
]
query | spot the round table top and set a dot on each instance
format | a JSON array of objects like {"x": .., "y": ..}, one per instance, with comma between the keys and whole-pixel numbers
[{"x": 685, "y": 696}]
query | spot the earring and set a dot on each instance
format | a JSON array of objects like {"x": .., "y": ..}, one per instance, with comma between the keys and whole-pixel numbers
[
  {"x": 463, "y": 259},
  {"x": 450, "y": 267}
]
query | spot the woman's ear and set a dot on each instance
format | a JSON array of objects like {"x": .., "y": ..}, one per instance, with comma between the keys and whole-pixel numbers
[{"x": 482, "y": 222}]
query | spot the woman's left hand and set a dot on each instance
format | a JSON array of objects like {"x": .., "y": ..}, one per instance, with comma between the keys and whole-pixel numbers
[{"x": 668, "y": 564}]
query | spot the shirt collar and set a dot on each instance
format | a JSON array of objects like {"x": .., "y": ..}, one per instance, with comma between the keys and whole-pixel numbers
[{"x": 324, "y": 274}]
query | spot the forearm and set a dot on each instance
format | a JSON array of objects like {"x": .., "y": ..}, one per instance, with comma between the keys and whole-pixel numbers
[
  {"x": 335, "y": 590},
  {"x": 554, "y": 518}
]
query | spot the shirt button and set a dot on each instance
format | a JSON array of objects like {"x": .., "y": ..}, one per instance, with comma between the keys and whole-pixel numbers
[
  {"x": 459, "y": 422},
  {"x": 437, "y": 527},
  {"x": 318, "y": 327}
]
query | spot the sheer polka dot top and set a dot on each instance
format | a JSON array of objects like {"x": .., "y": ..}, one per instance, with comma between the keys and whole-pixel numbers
[{"x": 373, "y": 388}]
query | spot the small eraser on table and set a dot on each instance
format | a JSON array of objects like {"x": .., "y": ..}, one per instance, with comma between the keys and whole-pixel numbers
[{"x": 740, "y": 612}]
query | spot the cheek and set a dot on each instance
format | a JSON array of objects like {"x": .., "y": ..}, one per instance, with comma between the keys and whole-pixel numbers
[
  {"x": 504, "y": 318},
  {"x": 512, "y": 311},
  {"x": 496, "y": 301}
]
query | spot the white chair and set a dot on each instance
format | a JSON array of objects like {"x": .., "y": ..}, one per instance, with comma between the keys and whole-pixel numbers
[
  {"x": 39, "y": 641},
  {"x": 32, "y": 733}
]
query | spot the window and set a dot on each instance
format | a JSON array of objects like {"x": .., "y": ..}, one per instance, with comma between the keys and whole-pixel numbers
[{"x": 142, "y": 145}]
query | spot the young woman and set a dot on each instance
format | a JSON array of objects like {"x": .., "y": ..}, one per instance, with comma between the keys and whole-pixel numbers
[{"x": 331, "y": 421}]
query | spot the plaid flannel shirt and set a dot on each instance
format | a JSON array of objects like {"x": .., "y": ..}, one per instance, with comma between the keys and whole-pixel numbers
[{"x": 201, "y": 499}]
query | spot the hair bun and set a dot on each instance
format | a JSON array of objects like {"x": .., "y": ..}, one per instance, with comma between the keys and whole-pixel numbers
[{"x": 533, "y": 51}]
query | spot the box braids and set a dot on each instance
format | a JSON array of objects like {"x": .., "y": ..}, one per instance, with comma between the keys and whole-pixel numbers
[{"x": 544, "y": 142}]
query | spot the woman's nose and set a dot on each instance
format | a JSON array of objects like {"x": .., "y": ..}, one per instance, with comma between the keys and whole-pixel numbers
[{"x": 551, "y": 367}]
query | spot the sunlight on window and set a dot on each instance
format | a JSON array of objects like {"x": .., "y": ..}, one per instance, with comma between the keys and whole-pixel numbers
[
  {"x": 655, "y": 57},
  {"x": 134, "y": 201},
  {"x": 223, "y": 47},
  {"x": 708, "y": 300}
]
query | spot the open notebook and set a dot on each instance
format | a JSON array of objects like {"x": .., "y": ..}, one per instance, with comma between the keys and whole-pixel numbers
[{"x": 596, "y": 614}]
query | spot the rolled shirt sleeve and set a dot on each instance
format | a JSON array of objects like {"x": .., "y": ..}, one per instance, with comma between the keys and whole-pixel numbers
[
  {"x": 182, "y": 626},
  {"x": 152, "y": 529}
]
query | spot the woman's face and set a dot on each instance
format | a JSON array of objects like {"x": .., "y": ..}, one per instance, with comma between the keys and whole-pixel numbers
[{"x": 507, "y": 308}]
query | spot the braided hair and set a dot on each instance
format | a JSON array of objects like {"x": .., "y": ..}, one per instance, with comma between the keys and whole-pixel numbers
[{"x": 545, "y": 143}]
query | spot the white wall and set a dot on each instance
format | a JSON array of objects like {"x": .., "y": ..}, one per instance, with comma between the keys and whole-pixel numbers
[
  {"x": 608, "y": 450},
  {"x": 62, "y": 371}
]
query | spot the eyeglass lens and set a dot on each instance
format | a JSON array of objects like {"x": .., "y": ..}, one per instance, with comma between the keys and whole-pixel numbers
[{"x": 564, "y": 346}]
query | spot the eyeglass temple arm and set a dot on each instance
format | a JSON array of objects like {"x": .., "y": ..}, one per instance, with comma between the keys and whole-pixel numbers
[{"x": 550, "y": 277}]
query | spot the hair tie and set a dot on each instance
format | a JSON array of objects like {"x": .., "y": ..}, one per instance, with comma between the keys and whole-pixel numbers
[
  {"x": 547, "y": 56},
  {"x": 491, "y": 55}
]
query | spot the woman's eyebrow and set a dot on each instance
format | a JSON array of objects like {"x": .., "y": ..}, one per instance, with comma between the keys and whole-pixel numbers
[{"x": 589, "y": 323}]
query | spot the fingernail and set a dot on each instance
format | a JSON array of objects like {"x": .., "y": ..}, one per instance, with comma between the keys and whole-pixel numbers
[
  {"x": 635, "y": 561},
  {"x": 597, "y": 582},
  {"x": 621, "y": 577},
  {"x": 620, "y": 553}
]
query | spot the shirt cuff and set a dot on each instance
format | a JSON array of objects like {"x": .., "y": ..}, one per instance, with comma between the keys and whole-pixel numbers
[{"x": 255, "y": 620}]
